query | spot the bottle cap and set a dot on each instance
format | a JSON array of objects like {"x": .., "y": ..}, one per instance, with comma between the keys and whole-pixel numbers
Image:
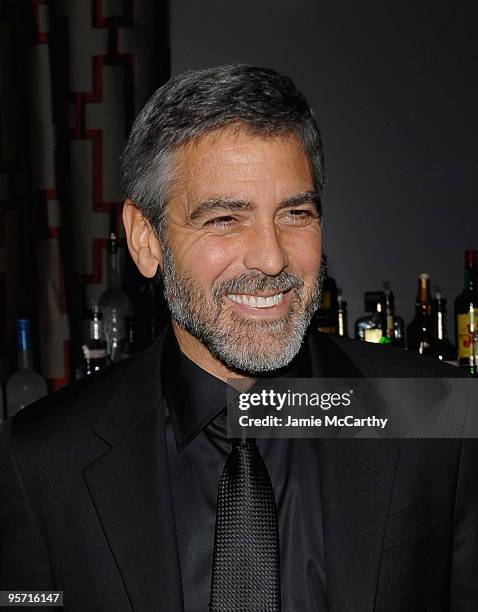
[
  {"x": 342, "y": 304},
  {"x": 23, "y": 334},
  {"x": 423, "y": 296},
  {"x": 439, "y": 302}
]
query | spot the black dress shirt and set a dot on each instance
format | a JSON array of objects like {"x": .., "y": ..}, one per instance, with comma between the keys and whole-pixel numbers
[{"x": 197, "y": 451}]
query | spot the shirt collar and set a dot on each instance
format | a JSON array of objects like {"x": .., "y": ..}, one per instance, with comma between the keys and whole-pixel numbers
[{"x": 195, "y": 397}]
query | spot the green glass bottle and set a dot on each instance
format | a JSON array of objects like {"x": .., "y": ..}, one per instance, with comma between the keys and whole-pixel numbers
[{"x": 370, "y": 328}]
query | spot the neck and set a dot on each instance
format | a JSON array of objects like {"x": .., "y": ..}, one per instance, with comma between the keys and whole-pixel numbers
[{"x": 196, "y": 351}]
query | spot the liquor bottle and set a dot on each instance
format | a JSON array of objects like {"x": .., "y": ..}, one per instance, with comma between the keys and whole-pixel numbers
[
  {"x": 466, "y": 314},
  {"x": 25, "y": 385},
  {"x": 370, "y": 328},
  {"x": 327, "y": 313},
  {"x": 420, "y": 329},
  {"x": 440, "y": 347},
  {"x": 95, "y": 351},
  {"x": 394, "y": 332},
  {"x": 342, "y": 319},
  {"x": 114, "y": 299}
]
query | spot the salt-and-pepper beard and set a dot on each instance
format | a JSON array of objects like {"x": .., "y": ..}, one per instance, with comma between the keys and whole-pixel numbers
[{"x": 251, "y": 346}]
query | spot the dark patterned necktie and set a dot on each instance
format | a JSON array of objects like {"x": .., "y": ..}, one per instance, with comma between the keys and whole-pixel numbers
[{"x": 246, "y": 567}]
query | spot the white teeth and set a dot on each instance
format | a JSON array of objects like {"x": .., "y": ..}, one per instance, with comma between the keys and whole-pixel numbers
[{"x": 257, "y": 301}]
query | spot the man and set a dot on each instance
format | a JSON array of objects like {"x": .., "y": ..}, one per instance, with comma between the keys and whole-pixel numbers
[{"x": 124, "y": 490}]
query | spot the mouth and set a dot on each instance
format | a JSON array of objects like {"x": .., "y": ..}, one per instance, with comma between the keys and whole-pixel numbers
[
  {"x": 258, "y": 305},
  {"x": 257, "y": 301}
]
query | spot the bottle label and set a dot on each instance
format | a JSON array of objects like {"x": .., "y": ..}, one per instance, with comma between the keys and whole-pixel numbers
[
  {"x": 390, "y": 325},
  {"x": 373, "y": 335},
  {"x": 97, "y": 353},
  {"x": 341, "y": 324},
  {"x": 466, "y": 328}
]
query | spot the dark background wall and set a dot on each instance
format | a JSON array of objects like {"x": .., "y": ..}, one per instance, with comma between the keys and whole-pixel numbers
[{"x": 395, "y": 88}]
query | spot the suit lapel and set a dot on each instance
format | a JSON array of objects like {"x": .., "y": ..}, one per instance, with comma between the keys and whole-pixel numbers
[
  {"x": 130, "y": 488},
  {"x": 356, "y": 480}
]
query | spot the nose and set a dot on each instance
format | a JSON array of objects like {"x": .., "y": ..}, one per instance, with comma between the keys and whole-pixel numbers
[{"x": 264, "y": 250}]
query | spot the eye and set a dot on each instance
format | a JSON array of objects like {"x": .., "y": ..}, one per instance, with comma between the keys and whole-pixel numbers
[
  {"x": 299, "y": 216},
  {"x": 221, "y": 222}
]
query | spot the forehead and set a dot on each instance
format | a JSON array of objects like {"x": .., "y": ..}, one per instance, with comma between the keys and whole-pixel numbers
[{"x": 231, "y": 160}]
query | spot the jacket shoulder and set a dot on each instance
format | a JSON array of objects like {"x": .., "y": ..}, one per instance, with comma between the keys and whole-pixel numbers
[
  {"x": 67, "y": 419},
  {"x": 69, "y": 412}
]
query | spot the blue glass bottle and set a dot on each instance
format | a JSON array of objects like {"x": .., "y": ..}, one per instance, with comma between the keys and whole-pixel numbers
[{"x": 24, "y": 386}]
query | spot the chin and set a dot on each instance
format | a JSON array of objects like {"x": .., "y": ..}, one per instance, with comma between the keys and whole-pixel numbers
[{"x": 261, "y": 358}]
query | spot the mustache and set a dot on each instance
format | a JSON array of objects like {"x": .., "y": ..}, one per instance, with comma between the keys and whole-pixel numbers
[{"x": 255, "y": 281}]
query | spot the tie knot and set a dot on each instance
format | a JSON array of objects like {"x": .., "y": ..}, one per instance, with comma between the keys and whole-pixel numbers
[{"x": 244, "y": 442}]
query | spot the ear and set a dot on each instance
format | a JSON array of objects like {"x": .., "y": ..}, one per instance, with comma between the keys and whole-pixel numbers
[{"x": 143, "y": 244}]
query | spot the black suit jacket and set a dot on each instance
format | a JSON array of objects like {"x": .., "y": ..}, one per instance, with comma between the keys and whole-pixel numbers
[{"x": 86, "y": 501}]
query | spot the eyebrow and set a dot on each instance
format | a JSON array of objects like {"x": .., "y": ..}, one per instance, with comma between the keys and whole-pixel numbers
[{"x": 228, "y": 204}]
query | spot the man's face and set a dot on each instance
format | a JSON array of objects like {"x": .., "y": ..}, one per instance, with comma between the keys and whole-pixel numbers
[{"x": 243, "y": 247}]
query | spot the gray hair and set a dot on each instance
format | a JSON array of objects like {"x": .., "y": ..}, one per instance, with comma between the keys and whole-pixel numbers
[{"x": 200, "y": 101}]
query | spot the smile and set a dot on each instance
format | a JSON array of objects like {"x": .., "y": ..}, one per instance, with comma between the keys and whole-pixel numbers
[{"x": 257, "y": 301}]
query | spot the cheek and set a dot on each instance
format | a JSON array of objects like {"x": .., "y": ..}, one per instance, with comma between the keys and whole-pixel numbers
[
  {"x": 209, "y": 260},
  {"x": 305, "y": 254}
]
